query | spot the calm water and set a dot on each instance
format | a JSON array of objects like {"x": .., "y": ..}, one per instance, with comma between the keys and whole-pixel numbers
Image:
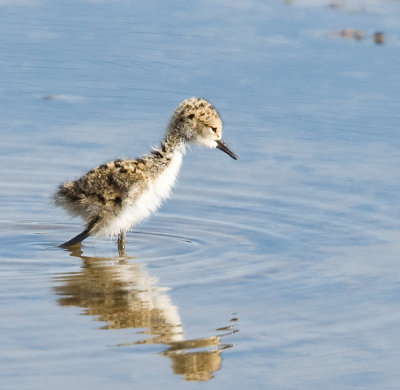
[{"x": 276, "y": 271}]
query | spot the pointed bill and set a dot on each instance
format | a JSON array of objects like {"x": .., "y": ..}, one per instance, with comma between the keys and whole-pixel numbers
[{"x": 221, "y": 145}]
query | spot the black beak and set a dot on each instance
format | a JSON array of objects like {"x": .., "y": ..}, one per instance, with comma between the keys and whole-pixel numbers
[{"x": 221, "y": 145}]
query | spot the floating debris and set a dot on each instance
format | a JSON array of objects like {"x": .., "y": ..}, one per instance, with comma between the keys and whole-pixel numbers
[
  {"x": 379, "y": 37},
  {"x": 350, "y": 33}
]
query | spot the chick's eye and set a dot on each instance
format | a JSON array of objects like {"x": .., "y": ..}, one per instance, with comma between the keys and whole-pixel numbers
[{"x": 214, "y": 129}]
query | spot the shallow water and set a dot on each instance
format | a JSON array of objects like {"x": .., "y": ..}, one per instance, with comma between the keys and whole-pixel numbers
[{"x": 279, "y": 270}]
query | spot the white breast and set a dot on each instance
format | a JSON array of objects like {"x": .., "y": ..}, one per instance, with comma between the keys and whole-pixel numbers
[{"x": 136, "y": 210}]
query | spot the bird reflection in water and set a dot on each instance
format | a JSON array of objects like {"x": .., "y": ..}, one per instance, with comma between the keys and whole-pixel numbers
[{"x": 122, "y": 294}]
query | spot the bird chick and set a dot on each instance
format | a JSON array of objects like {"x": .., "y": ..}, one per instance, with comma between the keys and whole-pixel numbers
[{"x": 115, "y": 196}]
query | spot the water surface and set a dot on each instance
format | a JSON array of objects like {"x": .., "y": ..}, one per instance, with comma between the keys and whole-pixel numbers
[{"x": 279, "y": 270}]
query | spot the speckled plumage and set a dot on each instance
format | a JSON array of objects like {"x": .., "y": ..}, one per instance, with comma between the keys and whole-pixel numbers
[{"x": 115, "y": 196}]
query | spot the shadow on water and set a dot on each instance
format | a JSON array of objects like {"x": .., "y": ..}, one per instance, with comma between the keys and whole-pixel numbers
[{"x": 123, "y": 294}]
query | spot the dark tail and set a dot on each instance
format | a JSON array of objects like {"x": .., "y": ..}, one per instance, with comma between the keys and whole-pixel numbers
[{"x": 77, "y": 239}]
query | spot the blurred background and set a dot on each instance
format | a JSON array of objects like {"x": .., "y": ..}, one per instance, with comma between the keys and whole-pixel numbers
[{"x": 279, "y": 270}]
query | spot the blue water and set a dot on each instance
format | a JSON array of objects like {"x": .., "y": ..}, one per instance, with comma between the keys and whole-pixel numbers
[{"x": 279, "y": 270}]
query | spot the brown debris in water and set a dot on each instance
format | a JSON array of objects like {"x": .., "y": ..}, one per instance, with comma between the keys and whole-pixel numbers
[
  {"x": 350, "y": 33},
  {"x": 379, "y": 37}
]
